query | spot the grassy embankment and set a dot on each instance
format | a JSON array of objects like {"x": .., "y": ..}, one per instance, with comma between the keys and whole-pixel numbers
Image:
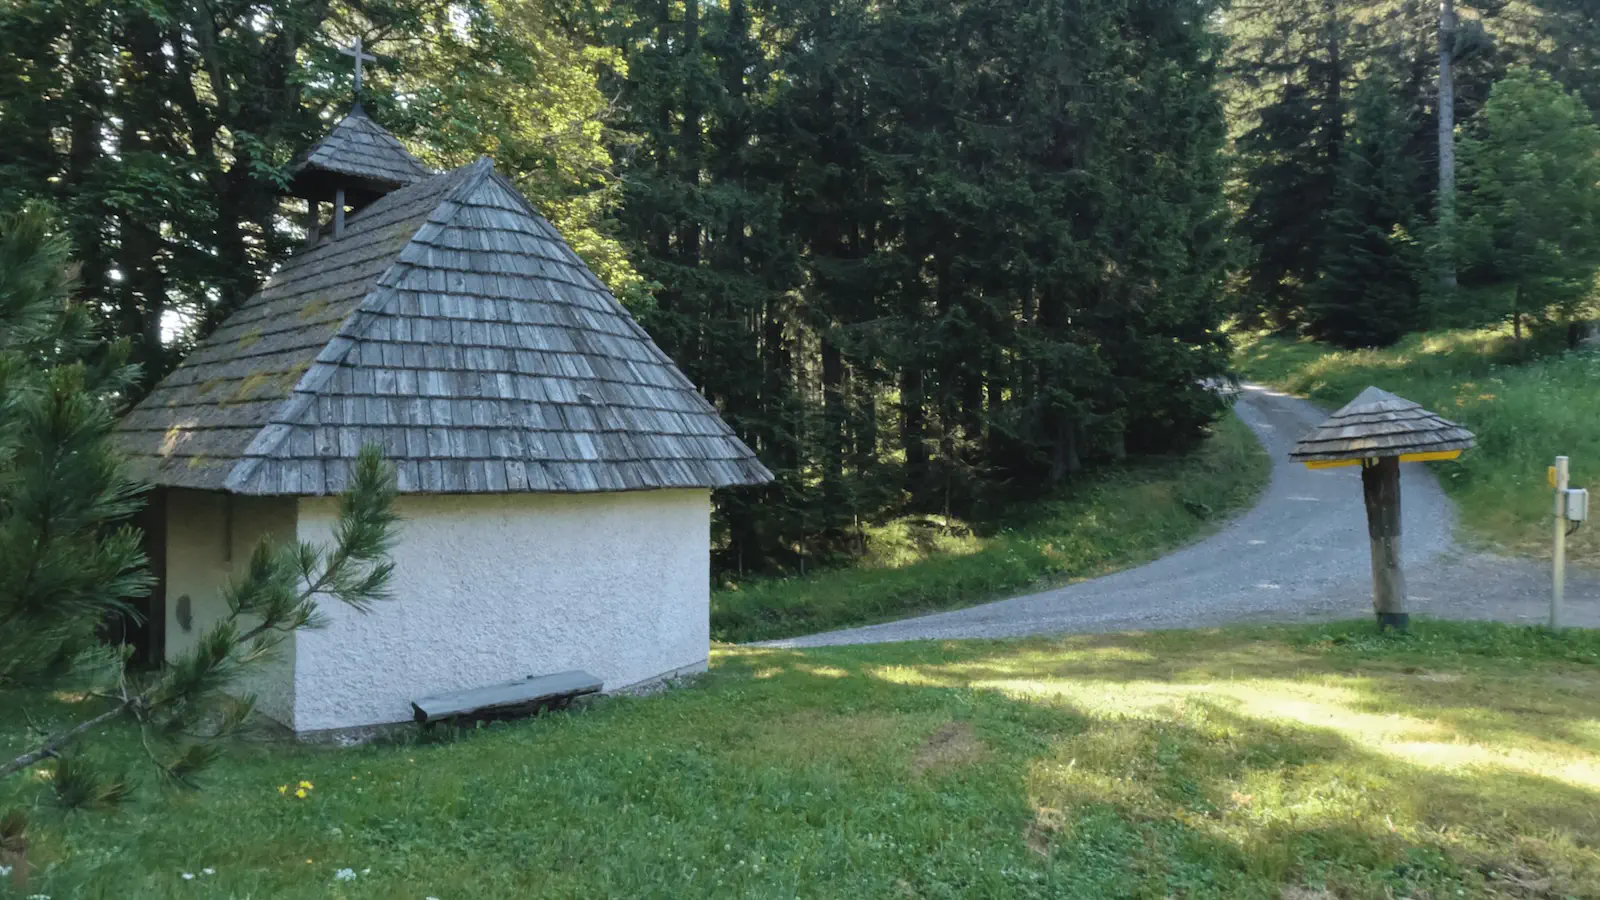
[
  {"x": 1462, "y": 761},
  {"x": 1109, "y": 520},
  {"x": 1524, "y": 414}
]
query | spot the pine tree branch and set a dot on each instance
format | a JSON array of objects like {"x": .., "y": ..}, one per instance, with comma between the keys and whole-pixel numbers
[
  {"x": 41, "y": 541},
  {"x": 61, "y": 739},
  {"x": 51, "y": 745}
]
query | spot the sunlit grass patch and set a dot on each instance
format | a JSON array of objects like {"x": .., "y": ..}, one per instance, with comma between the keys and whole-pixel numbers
[
  {"x": 1106, "y": 521},
  {"x": 1260, "y": 762},
  {"x": 1524, "y": 414}
]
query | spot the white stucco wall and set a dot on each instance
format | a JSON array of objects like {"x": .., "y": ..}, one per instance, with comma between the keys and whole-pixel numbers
[
  {"x": 210, "y": 537},
  {"x": 496, "y": 587}
]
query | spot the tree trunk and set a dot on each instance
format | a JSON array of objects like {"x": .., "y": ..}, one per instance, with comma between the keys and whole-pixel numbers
[
  {"x": 142, "y": 254},
  {"x": 1335, "y": 115},
  {"x": 1516, "y": 317},
  {"x": 838, "y": 504},
  {"x": 662, "y": 236},
  {"x": 689, "y": 135},
  {"x": 913, "y": 431},
  {"x": 1119, "y": 444},
  {"x": 87, "y": 97},
  {"x": 1380, "y": 486},
  {"x": 1065, "y": 460},
  {"x": 1447, "y": 145}
]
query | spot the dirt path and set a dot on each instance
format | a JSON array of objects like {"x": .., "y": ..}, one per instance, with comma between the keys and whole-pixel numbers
[{"x": 1299, "y": 555}]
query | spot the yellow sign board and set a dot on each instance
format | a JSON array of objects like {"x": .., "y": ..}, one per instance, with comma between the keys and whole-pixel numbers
[{"x": 1435, "y": 456}]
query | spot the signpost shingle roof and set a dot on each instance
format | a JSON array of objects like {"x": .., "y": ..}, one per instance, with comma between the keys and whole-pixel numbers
[
  {"x": 453, "y": 327},
  {"x": 1378, "y": 424},
  {"x": 358, "y": 153}
]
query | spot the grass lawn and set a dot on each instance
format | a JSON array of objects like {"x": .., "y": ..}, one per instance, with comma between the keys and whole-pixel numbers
[
  {"x": 1524, "y": 416},
  {"x": 1108, "y": 520},
  {"x": 1308, "y": 762}
]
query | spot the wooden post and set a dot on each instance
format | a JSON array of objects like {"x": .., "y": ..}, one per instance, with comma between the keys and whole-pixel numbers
[
  {"x": 338, "y": 213},
  {"x": 1558, "y": 580},
  {"x": 313, "y": 222},
  {"x": 1380, "y": 486}
]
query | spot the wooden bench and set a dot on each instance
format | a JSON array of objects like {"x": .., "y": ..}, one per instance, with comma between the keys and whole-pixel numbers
[{"x": 509, "y": 700}]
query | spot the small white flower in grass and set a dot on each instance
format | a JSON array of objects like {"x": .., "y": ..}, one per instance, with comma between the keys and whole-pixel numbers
[
  {"x": 4, "y": 871},
  {"x": 345, "y": 875},
  {"x": 209, "y": 871},
  {"x": 188, "y": 876}
]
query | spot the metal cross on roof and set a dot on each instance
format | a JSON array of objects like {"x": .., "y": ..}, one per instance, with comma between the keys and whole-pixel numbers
[{"x": 354, "y": 50}]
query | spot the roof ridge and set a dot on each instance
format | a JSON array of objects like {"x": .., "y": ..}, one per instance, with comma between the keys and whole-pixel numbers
[
  {"x": 333, "y": 353},
  {"x": 454, "y": 326},
  {"x": 530, "y": 209},
  {"x": 476, "y": 170},
  {"x": 639, "y": 330}
]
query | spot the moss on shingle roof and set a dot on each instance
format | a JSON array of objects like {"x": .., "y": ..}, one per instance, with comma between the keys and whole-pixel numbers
[{"x": 452, "y": 326}]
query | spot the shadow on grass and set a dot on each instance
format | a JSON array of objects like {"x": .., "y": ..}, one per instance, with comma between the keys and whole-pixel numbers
[
  {"x": 1269, "y": 763},
  {"x": 1245, "y": 772}
]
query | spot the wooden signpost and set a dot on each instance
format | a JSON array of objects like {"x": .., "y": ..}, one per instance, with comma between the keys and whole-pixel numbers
[
  {"x": 1558, "y": 574},
  {"x": 1571, "y": 511},
  {"x": 1378, "y": 431},
  {"x": 1380, "y": 486}
]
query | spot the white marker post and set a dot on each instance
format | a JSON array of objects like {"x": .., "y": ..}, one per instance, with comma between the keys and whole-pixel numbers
[{"x": 1558, "y": 583}]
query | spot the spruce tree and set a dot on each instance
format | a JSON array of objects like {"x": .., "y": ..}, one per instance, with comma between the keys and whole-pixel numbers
[
  {"x": 1368, "y": 294},
  {"x": 1289, "y": 134},
  {"x": 1531, "y": 211},
  {"x": 1290, "y": 61},
  {"x": 924, "y": 255}
]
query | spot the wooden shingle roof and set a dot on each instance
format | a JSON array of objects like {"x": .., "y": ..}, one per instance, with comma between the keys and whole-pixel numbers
[
  {"x": 358, "y": 154},
  {"x": 453, "y": 327},
  {"x": 1377, "y": 424}
]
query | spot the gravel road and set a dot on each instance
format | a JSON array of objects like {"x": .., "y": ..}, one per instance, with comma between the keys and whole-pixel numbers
[{"x": 1300, "y": 555}]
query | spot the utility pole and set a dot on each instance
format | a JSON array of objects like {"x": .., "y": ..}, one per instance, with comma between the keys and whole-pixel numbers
[{"x": 1447, "y": 144}]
